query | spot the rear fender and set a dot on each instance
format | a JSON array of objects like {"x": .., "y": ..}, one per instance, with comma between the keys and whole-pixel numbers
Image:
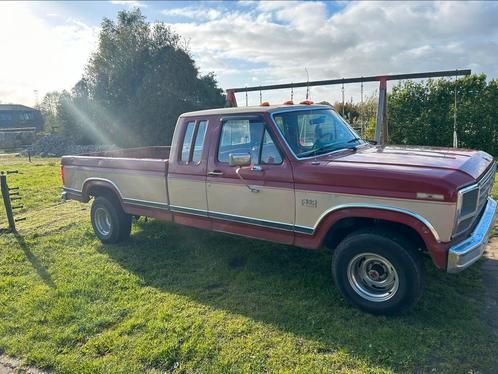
[{"x": 99, "y": 183}]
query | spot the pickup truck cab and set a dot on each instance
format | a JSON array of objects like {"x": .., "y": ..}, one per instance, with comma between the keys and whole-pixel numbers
[{"x": 300, "y": 175}]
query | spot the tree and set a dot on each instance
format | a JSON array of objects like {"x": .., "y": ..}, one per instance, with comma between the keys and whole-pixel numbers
[
  {"x": 423, "y": 113},
  {"x": 137, "y": 83},
  {"x": 48, "y": 109}
]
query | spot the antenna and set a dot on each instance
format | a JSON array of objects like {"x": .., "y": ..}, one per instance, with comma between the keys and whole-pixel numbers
[
  {"x": 307, "y": 84},
  {"x": 292, "y": 93}
]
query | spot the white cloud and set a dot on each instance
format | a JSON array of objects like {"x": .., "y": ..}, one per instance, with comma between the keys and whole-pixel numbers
[
  {"x": 362, "y": 38},
  {"x": 39, "y": 56},
  {"x": 195, "y": 13},
  {"x": 130, "y": 3},
  {"x": 267, "y": 42}
]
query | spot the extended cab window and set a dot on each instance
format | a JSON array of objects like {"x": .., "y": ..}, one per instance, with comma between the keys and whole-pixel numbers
[
  {"x": 199, "y": 141},
  {"x": 245, "y": 136},
  {"x": 187, "y": 141}
]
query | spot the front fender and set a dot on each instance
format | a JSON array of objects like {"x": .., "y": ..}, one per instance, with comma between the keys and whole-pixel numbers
[{"x": 422, "y": 226}]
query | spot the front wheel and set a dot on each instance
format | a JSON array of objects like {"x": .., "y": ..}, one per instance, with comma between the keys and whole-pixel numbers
[
  {"x": 110, "y": 223},
  {"x": 379, "y": 272}
]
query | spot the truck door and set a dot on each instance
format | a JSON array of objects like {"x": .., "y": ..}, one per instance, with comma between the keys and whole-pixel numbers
[
  {"x": 187, "y": 173},
  {"x": 258, "y": 201}
]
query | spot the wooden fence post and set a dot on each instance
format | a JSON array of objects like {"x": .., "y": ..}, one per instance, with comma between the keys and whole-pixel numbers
[{"x": 6, "y": 201}]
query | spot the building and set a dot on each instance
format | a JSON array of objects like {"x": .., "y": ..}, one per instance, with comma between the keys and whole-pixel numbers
[
  {"x": 15, "y": 116},
  {"x": 18, "y": 126}
]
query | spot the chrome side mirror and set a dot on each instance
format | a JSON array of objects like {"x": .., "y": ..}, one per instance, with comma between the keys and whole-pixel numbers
[{"x": 239, "y": 159}]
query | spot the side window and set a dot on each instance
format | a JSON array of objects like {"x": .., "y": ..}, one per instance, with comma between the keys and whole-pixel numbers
[
  {"x": 199, "y": 141},
  {"x": 238, "y": 136},
  {"x": 187, "y": 142},
  {"x": 244, "y": 136},
  {"x": 269, "y": 151},
  {"x": 235, "y": 132}
]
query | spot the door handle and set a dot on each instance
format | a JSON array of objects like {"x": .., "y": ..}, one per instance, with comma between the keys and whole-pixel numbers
[
  {"x": 256, "y": 168},
  {"x": 215, "y": 173}
]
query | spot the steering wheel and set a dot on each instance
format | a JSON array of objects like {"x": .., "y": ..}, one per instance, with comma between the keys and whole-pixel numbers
[{"x": 322, "y": 140}]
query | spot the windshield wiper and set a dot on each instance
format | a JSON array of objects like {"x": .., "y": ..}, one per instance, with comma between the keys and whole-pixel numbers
[
  {"x": 328, "y": 146},
  {"x": 353, "y": 140},
  {"x": 314, "y": 151}
]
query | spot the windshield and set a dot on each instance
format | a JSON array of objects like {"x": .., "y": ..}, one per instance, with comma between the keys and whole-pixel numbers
[{"x": 315, "y": 131}]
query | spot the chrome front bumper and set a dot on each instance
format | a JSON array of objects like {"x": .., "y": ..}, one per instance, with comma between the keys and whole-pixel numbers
[{"x": 465, "y": 253}]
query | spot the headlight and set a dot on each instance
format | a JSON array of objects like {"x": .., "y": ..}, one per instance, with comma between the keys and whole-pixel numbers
[
  {"x": 466, "y": 208},
  {"x": 469, "y": 202}
]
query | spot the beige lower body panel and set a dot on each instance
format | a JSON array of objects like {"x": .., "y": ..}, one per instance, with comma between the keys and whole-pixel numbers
[
  {"x": 304, "y": 209},
  {"x": 269, "y": 204},
  {"x": 131, "y": 185},
  {"x": 312, "y": 206},
  {"x": 188, "y": 193}
]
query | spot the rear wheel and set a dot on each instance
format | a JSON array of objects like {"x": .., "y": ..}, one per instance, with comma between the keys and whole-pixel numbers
[
  {"x": 110, "y": 223},
  {"x": 380, "y": 272}
]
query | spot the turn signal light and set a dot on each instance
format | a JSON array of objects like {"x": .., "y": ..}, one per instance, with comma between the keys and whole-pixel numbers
[
  {"x": 264, "y": 103},
  {"x": 306, "y": 102},
  {"x": 289, "y": 102}
]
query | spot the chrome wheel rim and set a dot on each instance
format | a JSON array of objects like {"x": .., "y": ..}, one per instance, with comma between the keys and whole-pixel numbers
[
  {"x": 103, "y": 221},
  {"x": 373, "y": 277}
]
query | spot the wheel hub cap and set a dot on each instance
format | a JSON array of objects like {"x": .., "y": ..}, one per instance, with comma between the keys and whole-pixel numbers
[
  {"x": 103, "y": 221},
  {"x": 373, "y": 277}
]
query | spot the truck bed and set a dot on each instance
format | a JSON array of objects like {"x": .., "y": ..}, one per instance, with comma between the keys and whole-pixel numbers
[
  {"x": 159, "y": 152},
  {"x": 137, "y": 175}
]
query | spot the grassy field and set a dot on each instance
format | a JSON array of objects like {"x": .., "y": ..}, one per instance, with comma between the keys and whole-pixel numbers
[{"x": 175, "y": 299}]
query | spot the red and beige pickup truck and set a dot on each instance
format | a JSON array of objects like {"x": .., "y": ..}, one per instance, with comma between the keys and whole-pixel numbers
[{"x": 300, "y": 175}]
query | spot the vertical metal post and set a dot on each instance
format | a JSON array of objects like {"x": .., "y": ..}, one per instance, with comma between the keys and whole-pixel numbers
[
  {"x": 231, "y": 99},
  {"x": 246, "y": 99},
  {"x": 6, "y": 201},
  {"x": 381, "y": 124},
  {"x": 455, "y": 137},
  {"x": 342, "y": 99},
  {"x": 362, "y": 112}
]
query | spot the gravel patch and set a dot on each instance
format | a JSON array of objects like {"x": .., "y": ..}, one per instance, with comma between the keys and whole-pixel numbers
[{"x": 11, "y": 365}]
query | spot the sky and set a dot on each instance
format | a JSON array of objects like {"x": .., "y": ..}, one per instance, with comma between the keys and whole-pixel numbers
[{"x": 46, "y": 45}]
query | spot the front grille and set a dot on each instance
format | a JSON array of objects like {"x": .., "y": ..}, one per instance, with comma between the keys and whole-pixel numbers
[
  {"x": 485, "y": 186},
  {"x": 473, "y": 201}
]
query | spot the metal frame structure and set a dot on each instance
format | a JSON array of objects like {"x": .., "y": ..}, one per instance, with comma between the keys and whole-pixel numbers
[{"x": 381, "y": 126}]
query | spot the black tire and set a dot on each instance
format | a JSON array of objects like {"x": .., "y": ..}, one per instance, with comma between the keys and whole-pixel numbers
[
  {"x": 366, "y": 258},
  {"x": 110, "y": 223}
]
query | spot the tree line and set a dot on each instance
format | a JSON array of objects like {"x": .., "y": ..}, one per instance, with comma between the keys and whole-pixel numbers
[
  {"x": 136, "y": 84},
  {"x": 142, "y": 77},
  {"x": 423, "y": 113}
]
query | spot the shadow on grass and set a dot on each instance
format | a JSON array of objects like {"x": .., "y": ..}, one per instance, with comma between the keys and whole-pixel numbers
[
  {"x": 35, "y": 262},
  {"x": 292, "y": 289}
]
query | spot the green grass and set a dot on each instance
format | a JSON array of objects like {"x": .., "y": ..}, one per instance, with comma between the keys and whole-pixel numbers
[{"x": 178, "y": 299}]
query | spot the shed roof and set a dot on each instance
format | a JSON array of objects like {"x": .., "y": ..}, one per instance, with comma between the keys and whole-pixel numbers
[{"x": 16, "y": 107}]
